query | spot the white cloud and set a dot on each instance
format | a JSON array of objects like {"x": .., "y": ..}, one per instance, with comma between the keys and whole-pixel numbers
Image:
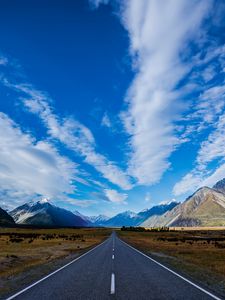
[
  {"x": 80, "y": 202},
  {"x": 72, "y": 133},
  {"x": 218, "y": 174},
  {"x": 115, "y": 196},
  {"x": 189, "y": 183},
  {"x": 210, "y": 150},
  {"x": 147, "y": 197},
  {"x": 106, "y": 121},
  {"x": 213, "y": 148},
  {"x": 159, "y": 32},
  {"x": 29, "y": 168},
  {"x": 3, "y": 61},
  {"x": 209, "y": 73},
  {"x": 197, "y": 178},
  {"x": 210, "y": 105},
  {"x": 96, "y": 3}
]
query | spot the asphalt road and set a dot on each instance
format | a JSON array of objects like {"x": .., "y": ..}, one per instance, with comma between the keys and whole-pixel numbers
[{"x": 113, "y": 270}]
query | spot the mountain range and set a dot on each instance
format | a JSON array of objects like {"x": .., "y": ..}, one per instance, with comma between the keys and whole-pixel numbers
[
  {"x": 206, "y": 207},
  {"x": 129, "y": 218},
  {"x": 98, "y": 220},
  {"x": 43, "y": 213}
]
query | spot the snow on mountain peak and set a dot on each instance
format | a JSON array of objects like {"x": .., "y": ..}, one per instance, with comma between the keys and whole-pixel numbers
[
  {"x": 168, "y": 202},
  {"x": 44, "y": 200}
]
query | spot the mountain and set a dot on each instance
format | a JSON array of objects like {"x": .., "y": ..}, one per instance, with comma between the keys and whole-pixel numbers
[
  {"x": 83, "y": 217},
  {"x": 98, "y": 220},
  {"x": 5, "y": 218},
  {"x": 156, "y": 211},
  {"x": 206, "y": 207},
  {"x": 43, "y": 213},
  {"x": 220, "y": 186},
  {"x": 92, "y": 220},
  {"x": 127, "y": 218}
]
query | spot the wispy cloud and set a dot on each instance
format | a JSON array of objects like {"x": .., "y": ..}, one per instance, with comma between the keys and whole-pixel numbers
[
  {"x": 30, "y": 168},
  {"x": 114, "y": 196},
  {"x": 152, "y": 99},
  {"x": 81, "y": 202},
  {"x": 71, "y": 133},
  {"x": 96, "y": 3},
  {"x": 3, "y": 60},
  {"x": 212, "y": 149},
  {"x": 147, "y": 197},
  {"x": 106, "y": 121}
]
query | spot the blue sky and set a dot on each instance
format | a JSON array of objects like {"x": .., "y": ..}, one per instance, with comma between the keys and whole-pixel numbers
[{"x": 108, "y": 106}]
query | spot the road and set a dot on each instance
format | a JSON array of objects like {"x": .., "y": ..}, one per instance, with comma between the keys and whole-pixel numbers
[{"x": 113, "y": 270}]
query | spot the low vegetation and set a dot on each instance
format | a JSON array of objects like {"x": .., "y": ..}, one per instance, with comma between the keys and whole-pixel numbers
[
  {"x": 27, "y": 254},
  {"x": 197, "y": 253},
  {"x": 143, "y": 229}
]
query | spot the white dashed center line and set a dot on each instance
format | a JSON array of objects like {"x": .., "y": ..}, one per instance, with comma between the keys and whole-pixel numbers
[
  {"x": 113, "y": 256},
  {"x": 112, "y": 291}
]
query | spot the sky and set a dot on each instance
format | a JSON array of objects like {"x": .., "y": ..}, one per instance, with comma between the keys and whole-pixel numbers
[{"x": 107, "y": 106}]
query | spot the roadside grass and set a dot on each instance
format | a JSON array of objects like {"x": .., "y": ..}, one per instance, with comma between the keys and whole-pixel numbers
[
  {"x": 198, "y": 254},
  {"x": 30, "y": 253}
]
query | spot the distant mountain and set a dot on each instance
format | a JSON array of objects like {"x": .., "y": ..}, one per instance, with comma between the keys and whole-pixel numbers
[
  {"x": 156, "y": 211},
  {"x": 220, "y": 186},
  {"x": 5, "y": 218},
  {"x": 206, "y": 207},
  {"x": 43, "y": 213},
  {"x": 127, "y": 218},
  {"x": 92, "y": 220},
  {"x": 98, "y": 220},
  {"x": 83, "y": 217}
]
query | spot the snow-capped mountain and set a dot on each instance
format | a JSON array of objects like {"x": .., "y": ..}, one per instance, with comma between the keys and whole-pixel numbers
[
  {"x": 83, "y": 217},
  {"x": 98, "y": 220},
  {"x": 43, "y": 213},
  {"x": 127, "y": 218},
  {"x": 93, "y": 220},
  {"x": 156, "y": 210},
  {"x": 206, "y": 207}
]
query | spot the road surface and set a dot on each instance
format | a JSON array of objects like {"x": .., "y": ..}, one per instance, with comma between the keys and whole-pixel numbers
[{"x": 113, "y": 270}]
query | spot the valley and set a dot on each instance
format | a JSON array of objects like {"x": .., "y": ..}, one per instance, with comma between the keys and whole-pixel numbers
[
  {"x": 197, "y": 253},
  {"x": 28, "y": 254},
  {"x": 204, "y": 208}
]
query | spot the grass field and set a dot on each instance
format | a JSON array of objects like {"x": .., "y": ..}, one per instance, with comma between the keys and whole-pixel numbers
[
  {"x": 26, "y": 254},
  {"x": 198, "y": 254}
]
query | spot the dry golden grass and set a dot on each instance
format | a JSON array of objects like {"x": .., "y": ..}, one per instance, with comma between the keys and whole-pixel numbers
[
  {"x": 199, "y": 254},
  {"x": 24, "y": 250}
]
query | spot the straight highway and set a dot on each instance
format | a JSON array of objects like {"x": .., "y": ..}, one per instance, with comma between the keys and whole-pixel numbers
[{"x": 114, "y": 270}]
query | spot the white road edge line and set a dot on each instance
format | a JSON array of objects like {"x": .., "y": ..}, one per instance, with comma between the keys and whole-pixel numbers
[
  {"x": 185, "y": 279},
  {"x": 112, "y": 290},
  {"x": 113, "y": 256},
  {"x": 56, "y": 271}
]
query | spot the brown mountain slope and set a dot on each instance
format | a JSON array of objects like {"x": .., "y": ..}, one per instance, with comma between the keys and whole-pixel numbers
[{"x": 206, "y": 207}]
